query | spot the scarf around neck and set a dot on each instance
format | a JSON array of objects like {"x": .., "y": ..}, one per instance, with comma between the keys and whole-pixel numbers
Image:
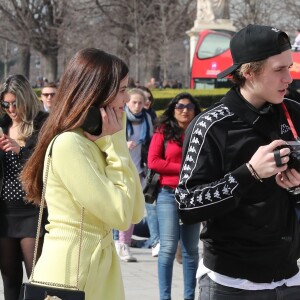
[{"x": 138, "y": 118}]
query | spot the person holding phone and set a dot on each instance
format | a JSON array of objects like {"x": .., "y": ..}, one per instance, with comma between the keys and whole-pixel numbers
[
  {"x": 88, "y": 171},
  {"x": 20, "y": 123}
]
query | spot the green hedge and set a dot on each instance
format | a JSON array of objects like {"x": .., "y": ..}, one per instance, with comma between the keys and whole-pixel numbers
[
  {"x": 164, "y": 96},
  {"x": 205, "y": 97},
  {"x": 38, "y": 91}
]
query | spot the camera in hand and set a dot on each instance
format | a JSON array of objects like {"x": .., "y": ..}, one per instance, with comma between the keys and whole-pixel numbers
[{"x": 294, "y": 162}]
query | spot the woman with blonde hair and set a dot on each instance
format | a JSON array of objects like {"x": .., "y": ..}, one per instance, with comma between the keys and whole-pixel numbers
[{"x": 20, "y": 123}]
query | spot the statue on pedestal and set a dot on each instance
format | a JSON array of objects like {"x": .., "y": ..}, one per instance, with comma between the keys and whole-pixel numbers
[
  {"x": 212, "y": 10},
  {"x": 211, "y": 14}
]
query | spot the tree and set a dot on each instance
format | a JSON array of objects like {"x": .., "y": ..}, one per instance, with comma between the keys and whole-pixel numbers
[
  {"x": 34, "y": 24},
  {"x": 146, "y": 29},
  {"x": 245, "y": 12},
  {"x": 6, "y": 60},
  {"x": 269, "y": 12},
  {"x": 170, "y": 25}
]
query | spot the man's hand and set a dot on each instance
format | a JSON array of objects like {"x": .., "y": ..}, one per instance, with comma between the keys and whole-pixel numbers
[{"x": 263, "y": 160}]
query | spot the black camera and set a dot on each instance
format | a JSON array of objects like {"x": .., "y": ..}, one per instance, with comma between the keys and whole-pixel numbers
[{"x": 294, "y": 162}]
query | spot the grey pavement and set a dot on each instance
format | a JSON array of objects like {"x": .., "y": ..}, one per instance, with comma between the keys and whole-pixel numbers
[{"x": 140, "y": 278}]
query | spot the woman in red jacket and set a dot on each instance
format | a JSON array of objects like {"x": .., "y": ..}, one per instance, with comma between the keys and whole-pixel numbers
[{"x": 164, "y": 157}]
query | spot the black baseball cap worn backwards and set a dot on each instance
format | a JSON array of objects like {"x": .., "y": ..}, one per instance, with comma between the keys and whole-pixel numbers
[{"x": 254, "y": 43}]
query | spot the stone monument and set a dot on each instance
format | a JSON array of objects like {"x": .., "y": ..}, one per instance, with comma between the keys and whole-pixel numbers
[{"x": 211, "y": 14}]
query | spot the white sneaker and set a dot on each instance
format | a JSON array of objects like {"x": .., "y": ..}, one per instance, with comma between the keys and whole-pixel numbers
[
  {"x": 117, "y": 245},
  {"x": 155, "y": 250},
  {"x": 125, "y": 254}
]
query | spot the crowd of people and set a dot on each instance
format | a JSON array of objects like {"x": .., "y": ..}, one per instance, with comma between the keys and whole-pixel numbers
[
  {"x": 116, "y": 158},
  {"x": 87, "y": 145}
]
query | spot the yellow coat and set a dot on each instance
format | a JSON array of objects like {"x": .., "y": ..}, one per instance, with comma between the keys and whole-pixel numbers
[{"x": 101, "y": 177}]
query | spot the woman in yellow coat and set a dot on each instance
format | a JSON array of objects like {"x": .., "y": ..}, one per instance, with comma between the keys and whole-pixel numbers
[{"x": 89, "y": 169}]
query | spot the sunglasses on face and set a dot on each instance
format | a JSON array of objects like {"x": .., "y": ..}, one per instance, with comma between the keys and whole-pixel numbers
[
  {"x": 189, "y": 106},
  {"x": 48, "y": 94},
  {"x": 6, "y": 105}
]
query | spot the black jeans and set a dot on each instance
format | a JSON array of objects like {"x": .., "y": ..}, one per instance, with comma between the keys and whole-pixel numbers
[{"x": 210, "y": 290}]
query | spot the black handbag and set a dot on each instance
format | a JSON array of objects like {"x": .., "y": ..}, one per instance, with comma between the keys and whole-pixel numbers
[
  {"x": 151, "y": 182},
  {"x": 38, "y": 290},
  {"x": 31, "y": 291},
  {"x": 151, "y": 187}
]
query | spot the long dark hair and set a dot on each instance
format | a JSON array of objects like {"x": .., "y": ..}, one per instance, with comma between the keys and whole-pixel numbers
[
  {"x": 168, "y": 125},
  {"x": 92, "y": 77}
]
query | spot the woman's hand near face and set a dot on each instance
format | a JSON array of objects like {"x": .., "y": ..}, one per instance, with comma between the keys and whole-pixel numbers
[
  {"x": 111, "y": 123},
  {"x": 9, "y": 144}
]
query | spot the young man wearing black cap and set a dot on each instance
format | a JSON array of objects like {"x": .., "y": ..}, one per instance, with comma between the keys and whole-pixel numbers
[{"x": 238, "y": 176}]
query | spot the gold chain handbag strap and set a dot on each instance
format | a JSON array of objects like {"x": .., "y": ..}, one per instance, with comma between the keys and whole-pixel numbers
[{"x": 42, "y": 206}]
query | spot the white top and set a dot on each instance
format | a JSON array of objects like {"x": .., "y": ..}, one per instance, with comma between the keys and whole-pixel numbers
[
  {"x": 244, "y": 284},
  {"x": 136, "y": 152}
]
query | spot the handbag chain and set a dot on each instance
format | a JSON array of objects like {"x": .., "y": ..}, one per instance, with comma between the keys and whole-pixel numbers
[{"x": 42, "y": 205}]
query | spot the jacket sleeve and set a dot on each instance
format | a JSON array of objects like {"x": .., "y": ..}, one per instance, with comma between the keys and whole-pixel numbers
[
  {"x": 204, "y": 191},
  {"x": 100, "y": 176}
]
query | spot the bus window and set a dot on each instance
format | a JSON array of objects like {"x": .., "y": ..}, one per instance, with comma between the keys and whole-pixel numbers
[
  {"x": 212, "y": 55},
  {"x": 212, "y": 45}
]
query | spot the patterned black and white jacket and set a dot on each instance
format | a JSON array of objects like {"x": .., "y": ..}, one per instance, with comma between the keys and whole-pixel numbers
[{"x": 251, "y": 230}]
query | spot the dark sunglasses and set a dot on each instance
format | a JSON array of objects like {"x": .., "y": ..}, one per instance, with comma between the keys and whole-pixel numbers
[
  {"x": 48, "y": 94},
  {"x": 6, "y": 105},
  {"x": 189, "y": 106}
]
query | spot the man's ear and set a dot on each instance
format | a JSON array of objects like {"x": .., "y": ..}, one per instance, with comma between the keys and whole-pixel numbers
[{"x": 248, "y": 74}]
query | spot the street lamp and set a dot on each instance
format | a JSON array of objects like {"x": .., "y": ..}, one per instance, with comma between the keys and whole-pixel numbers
[{"x": 186, "y": 44}]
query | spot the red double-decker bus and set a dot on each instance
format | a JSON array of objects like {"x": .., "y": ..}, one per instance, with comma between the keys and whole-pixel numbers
[{"x": 212, "y": 55}]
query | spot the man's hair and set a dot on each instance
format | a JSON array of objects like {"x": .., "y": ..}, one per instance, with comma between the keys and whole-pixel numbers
[
  {"x": 238, "y": 77},
  {"x": 51, "y": 84}
]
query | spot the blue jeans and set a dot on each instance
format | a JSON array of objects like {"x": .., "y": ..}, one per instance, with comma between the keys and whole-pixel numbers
[
  {"x": 210, "y": 290},
  {"x": 170, "y": 232},
  {"x": 152, "y": 223}
]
